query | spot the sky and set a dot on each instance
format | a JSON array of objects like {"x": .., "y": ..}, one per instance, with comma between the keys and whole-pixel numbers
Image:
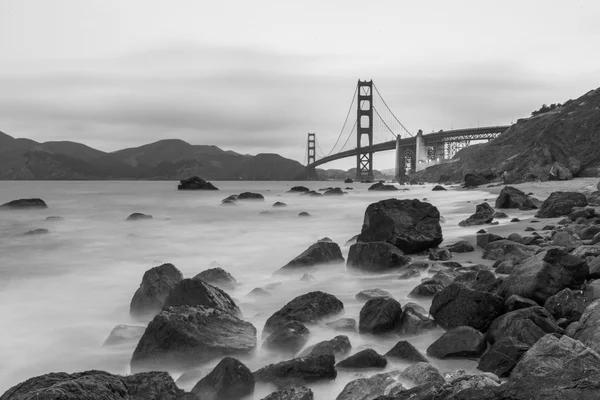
[{"x": 257, "y": 76}]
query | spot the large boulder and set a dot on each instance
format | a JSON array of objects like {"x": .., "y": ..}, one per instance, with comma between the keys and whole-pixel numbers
[
  {"x": 561, "y": 203},
  {"x": 484, "y": 214},
  {"x": 526, "y": 325},
  {"x": 507, "y": 250},
  {"x": 368, "y": 294},
  {"x": 458, "y": 305},
  {"x": 460, "y": 342},
  {"x": 511, "y": 197},
  {"x": 218, "y": 277},
  {"x": 196, "y": 292},
  {"x": 382, "y": 187},
  {"x": 376, "y": 257},
  {"x": 413, "y": 323},
  {"x": 343, "y": 325},
  {"x": 544, "y": 275},
  {"x": 379, "y": 315},
  {"x": 230, "y": 380},
  {"x": 588, "y": 330},
  {"x": 299, "y": 371},
  {"x": 423, "y": 373},
  {"x": 251, "y": 196},
  {"x": 427, "y": 288},
  {"x": 317, "y": 254},
  {"x": 367, "y": 358},
  {"x": 370, "y": 388},
  {"x": 24, "y": 204},
  {"x": 184, "y": 337},
  {"x": 307, "y": 308},
  {"x": 559, "y": 172},
  {"x": 338, "y": 346},
  {"x": 195, "y": 183},
  {"x": 404, "y": 350},
  {"x": 98, "y": 385},
  {"x": 462, "y": 246},
  {"x": 288, "y": 338},
  {"x": 156, "y": 285},
  {"x": 502, "y": 356},
  {"x": 299, "y": 393},
  {"x": 472, "y": 180},
  {"x": 411, "y": 225},
  {"x": 570, "y": 304}
]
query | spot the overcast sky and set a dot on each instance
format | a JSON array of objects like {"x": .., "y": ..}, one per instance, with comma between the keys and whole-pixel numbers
[{"x": 257, "y": 76}]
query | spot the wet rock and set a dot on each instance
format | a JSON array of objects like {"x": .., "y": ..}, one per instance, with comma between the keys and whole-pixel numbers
[
  {"x": 459, "y": 342},
  {"x": 230, "y": 380},
  {"x": 251, "y": 196},
  {"x": 375, "y": 257},
  {"x": 39, "y": 231},
  {"x": 156, "y": 285},
  {"x": 343, "y": 325},
  {"x": 259, "y": 292},
  {"x": 403, "y": 350},
  {"x": 289, "y": 338},
  {"x": 561, "y": 203},
  {"x": 416, "y": 307},
  {"x": 333, "y": 192},
  {"x": 484, "y": 239},
  {"x": 218, "y": 277},
  {"x": 503, "y": 356},
  {"x": 559, "y": 172},
  {"x": 473, "y": 180},
  {"x": 445, "y": 276},
  {"x": 298, "y": 371},
  {"x": 307, "y": 308},
  {"x": 54, "y": 218},
  {"x": 516, "y": 302},
  {"x": 348, "y": 180},
  {"x": 423, "y": 373},
  {"x": 370, "y": 388},
  {"x": 484, "y": 214},
  {"x": 588, "y": 330},
  {"x": 304, "y": 214},
  {"x": 499, "y": 215},
  {"x": 21, "y": 204},
  {"x": 382, "y": 187},
  {"x": 279, "y": 204},
  {"x": 369, "y": 294},
  {"x": 379, "y": 315},
  {"x": 411, "y": 225},
  {"x": 139, "y": 217},
  {"x": 196, "y": 292},
  {"x": 319, "y": 253},
  {"x": 438, "y": 188},
  {"x": 299, "y": 189},
  {"x": 413, "y": 323},
  {"x": 586, "y": 251},
  {"x": 409, "y": 274},
  {"x": 515, "y": 220},
  {"x": 526, "y": 325},
  {"x": 566, "y": 240},
  {"x": 338, "y": 346},
  {"x": 568, "y": 304},
  {"x": 195, "y": 183},
  {"x": 511, "y": 197},
  {"x": 124, "y": 334},
  {"x": 462, "y": 246},
  {"x": 507, "y": 250},
  {"x": 227, "y": 202},
  {"x": 427, "y": 288},
  {"x": 367, "y": 358},
  {"x": 300, "y": 393},
  {"x": 439, "y": 254},
  {"x": 457, "y": 305},
  {"x": 483, "y": 280},
  {"x": 184, "y": 337}
]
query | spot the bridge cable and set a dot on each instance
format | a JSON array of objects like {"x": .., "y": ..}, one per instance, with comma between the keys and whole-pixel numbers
[
  {"x": 396, "y": 118},
  {"x": 349, "y": 136},
  {"x": 382, "y": 120},
  {"x": 345, "y": 122}
]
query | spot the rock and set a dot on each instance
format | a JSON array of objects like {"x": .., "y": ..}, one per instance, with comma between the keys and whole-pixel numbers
[
  {"x": 156, "y": 285},
  {"x": 409, "y": 274},
  {"x": 526, "y": 325},
  {"x": 427, "y": 288},
  {"x": 484, "y": 239},
  {"x": 411, "y": 225},
  {"x": 445, "y": 276},
  {"x": 259, "y": 292},
  {"x": 437, "y": 188},
  {"x": 483, "y": 215},
  {"x": 196, "y": 292},
  {"x": 348, "y": 180},
  {"x": 266, "y": 213},
  {"x": 230, "y": 379},
  {"x": 138, "y": 217},
  {"x": 499, "y": 215},
  {"x": 379, "y": 315},
  {"x": 195, "y": 183},
  {"x": 566, "y": 240},
  {"x": 279, "y": 204},
  {"x": 338, "y": 346},
  {"x": 459, "y": 342},
  {"x": 585, "y": 251},
  {"x": 515, "y": 302},
  {"x": 298, "y": 371},
  {"x": 439, "y": 254},
  {"x": 457, "y": 305},
  {"x": 370, "y": 388},
  {"x": 39, "y": 231},
  {"x": 568, "y": 304},
  {"x": 559, "y": 172},
  {"x": 251, "y": 196},
  {"x": 307, "y": 308},
  {"x": 574, "y": 165},
  {"x": 21, "y": 204},
  {"x": 472, "y": 180},
  {"x": 462, "y": 246},
  {"x": 376, "y": 257},
  {"x": 545, "y": 274},
  {"x": 507, "y": 250},
  {"x": 299, "y": 189},
  {"x": 369, "y": 294},
  {"x": 307, "y": 278},
  {"x": 483, "y": 280},
  {"x": 228, "y": 202},
  {"x": 124, "y": 334},
  {"x": 423, "y": 373},
  {"x": 416, "y": 307},
  {"x": 288, "y": 338},
  {"x": 403, "y": 350},
  {"x": 413, "y": 323},
  {"x": 367, "y": 358},
  {"x": 343, "y": 325},
  {"x": 511, "y": 197},
  {"x": 552, "y": 369},
  {"x": 218, "y": 277},
  {"x": 380, "y": 186},
  {"x": 588, "y": 331},
  {"x": 184, "y": 337},
  {"x": 334, "y": 192},
  {"x": 503, "y": 356},
  {"x": 515, "y": 220},
  {"x": 301, "y": 393},
  {"x": 98, "y": 385},
  {"x": 561, "y": 203},
  {"x": 54, "y": 218},
  {"x": 304, "y": 214},
  {"x": 593, "y": 198},
  {"x": 317, "y": 254}
]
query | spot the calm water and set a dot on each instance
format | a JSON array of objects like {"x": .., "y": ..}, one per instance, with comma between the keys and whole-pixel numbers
[{"x": 61, "y": 294}]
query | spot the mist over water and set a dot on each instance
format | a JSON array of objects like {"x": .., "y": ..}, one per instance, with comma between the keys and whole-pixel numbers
[{"x": 62, "y": 293}]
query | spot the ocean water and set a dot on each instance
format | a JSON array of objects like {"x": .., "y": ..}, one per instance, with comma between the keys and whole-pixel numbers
[{"x": 62, "y": 293}]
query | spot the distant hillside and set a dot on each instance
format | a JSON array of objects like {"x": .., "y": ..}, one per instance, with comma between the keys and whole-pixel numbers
[{"x": 527, "y": 149}]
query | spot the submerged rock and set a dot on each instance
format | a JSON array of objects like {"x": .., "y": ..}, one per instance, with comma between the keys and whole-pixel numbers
[
  {"x": 217, "y": 277},
  {"x": 321, "y": 252},
  {"x": 343, "y": 325},
  {"x": 288, "y": 338},
  {"x": 367, "y": 358},
  {"x": 196, "y": 292},
  {"x": 139, "y": 217},
  {"x": 299, "y": 371},
  {"x": 39, "y": 231},
  {"x": 195, "y": 183},
  {"x": 423, "y": 373},
  {"x": 24, "y": 204},
  {"x": 300, "y": 393},
  {"x": 250, "y": 196},
  {"x": 156, "y": 285},
  {"x": 379, "y": 315},
  {"x": 338, "y": 346},
  {"x": 368, "y": 294},
  {"x": 299, "y": 189},
  {"x": 230, "y": 380},
  {"x": 375, "y": 257},
  {"x": 382, "y": 187},
  {"x": 124, "y": 334}
]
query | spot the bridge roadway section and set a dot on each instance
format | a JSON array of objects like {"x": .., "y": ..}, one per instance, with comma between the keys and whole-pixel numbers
[{"x": 456, "y": 135}]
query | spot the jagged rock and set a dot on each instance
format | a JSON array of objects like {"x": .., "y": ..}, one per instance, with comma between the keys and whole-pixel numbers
[
  {"x": 413, "y": 323},
  {"x": 184, "y": 337},
  {"x": 559, "y": 172},
  {"x": 462, "y": 246},
  {"x": 218, "y": 277},
  {"x": 321, "y": 252},
  {"x": 369, "y": 388},
  {"x": 410, "y": 225},
  {"x": 569, "y": 304},
  {"x": 369, "y": 294},
  {"x": 457, "y": 305},
  {"x": 196, "y": 292},
  {"x": 379, "y": 315},
  {"x": 307, "y": 308},
  {"x": 483, "y": 215},
  {"x": 427, "y": 288},
  {"x": 507, "y": 250},
  {"x": 139, "y": 217},
  {"x": 526, "y": 325},
  {"x": 343, "y": 325},
  {"x": 544, "y": 275},
  {"x": 515, "y": 302},
  {"x": 423, "y": 373},
  {"x": 24, "y": 204},
  {"x": 301, "y": 393},
  {"x": 483, "y": 280},
  {"x": 299, "y": 189},
  {"x": 375, "y": 257},
  {"x": 195, "y": 183},
  {"x": 459, "y": 342},
  {"x": 561, "y": 203},
  {"x": 588, "y": 331},
  {"x": 230, "y": 380},
  {"x": 124, "y": 334},
  {"x": 39, "y": 231},
  {"x": 367, "y": 358},
  {"x": 484, "y": 239},
  {"x": 406, "y": 351},
  {"x": 156, "y": 285},
  {"x": 290, "y": 337},
  {"x": 439, "y": 254},
  {"x": 472, "y": 180},
  {"x": 511, "y": 197},
  {"x": 502, "y": 356},
  {"x": 250, "y": 196},
  {"x": 585, "y": 251},
  {"x": 381, "y": 187},
  {"x": 298, "y": 371},
  {"x": 338, "y": 346}
]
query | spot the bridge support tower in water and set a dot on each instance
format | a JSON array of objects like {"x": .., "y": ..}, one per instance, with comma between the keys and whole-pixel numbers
[
  {"x": 311, "y": 173},
  {"x": 364, "y": 129}
]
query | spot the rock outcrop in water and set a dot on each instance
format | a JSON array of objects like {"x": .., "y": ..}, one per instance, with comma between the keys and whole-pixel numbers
[
  {"x": 511, "y": 197},
  {"x": 218, "y": 277},
  {"x": 196, "y": 292},
  {"x": 299, "y": 371},
  {"x": 376, "y": 257},
  {"x": 319, "y": 253},
  {"x": 156, "y": 285},
  {"x": 24, "y": 204},
  {"x": 230, "y": 379},
  {"x": 195, "y": 183}
]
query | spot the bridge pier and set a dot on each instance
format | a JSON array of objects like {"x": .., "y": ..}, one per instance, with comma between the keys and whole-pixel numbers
[
  {"x": 400, "y": 157},
  {"x": 420, "y": 152}
]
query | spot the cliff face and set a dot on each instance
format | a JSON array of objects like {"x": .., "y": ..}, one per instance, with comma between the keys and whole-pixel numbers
[{"x": 527, "y": 149}]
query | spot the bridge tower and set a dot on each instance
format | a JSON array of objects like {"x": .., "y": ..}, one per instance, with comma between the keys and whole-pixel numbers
[
  {"x": 311, "y": 173},
  {"x": 364, "y": 127}
]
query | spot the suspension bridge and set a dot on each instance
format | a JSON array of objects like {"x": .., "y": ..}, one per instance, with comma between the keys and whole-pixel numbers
[{"x": 376, "y": 128}]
